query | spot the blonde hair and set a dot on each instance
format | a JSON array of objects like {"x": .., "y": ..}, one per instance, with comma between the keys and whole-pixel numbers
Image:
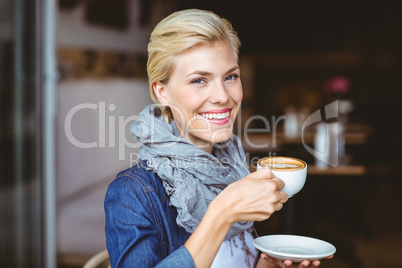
[{"x": 178, "y": 33}]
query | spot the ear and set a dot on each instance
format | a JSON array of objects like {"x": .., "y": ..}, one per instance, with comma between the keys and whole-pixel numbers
[{"x": 160, "y": 92}]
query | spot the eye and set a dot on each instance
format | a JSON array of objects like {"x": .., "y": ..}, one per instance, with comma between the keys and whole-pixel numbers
[
  {"x": 232, "y": 77},
  {"x": 198, "y": 81}
]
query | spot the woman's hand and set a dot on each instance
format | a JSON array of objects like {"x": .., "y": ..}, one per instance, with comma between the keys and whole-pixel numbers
[
  {"x": 253, "y": 198},
  {"x": 266, "y": 261}
]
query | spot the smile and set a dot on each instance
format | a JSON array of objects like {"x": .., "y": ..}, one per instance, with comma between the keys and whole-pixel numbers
[{"x": 219, "y": 117}]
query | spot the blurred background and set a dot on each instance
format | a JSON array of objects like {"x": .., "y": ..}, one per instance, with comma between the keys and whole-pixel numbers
[{"x": 73, "y": 78}]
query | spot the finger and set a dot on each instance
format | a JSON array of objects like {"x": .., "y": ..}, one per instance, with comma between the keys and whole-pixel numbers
[
  {"x": 278, "y": 206},
  {"x": 330, "y": 257},
  {"x": 283, "y": 197},
  {"x": 263, "y": 173},
  {"x": 303, "y": 264},
  {"x": 279, "y": 183},
  {"x": 270, "y": 259},
  {"x": 316, "y": 263},
  {"x": 287, "y": 263},
  {"x": 265, "y": 256}
]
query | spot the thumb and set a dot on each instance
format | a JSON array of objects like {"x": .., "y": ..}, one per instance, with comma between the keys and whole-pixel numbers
[{"x": 263, "y": 173}]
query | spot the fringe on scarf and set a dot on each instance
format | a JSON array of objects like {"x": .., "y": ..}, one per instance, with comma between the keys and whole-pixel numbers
[{"x": 245, "y": 247}]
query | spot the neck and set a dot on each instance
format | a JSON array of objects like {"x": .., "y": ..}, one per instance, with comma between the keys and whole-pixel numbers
[
  {"x": 207, "y": 147},
  {"x": 201, "y": 144}
]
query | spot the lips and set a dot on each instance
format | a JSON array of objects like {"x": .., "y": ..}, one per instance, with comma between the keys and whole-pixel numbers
[{"x": 219, "y": 117}]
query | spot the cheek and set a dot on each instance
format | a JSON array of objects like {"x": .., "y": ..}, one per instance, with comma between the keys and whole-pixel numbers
[
  {"x": 237, "y": 95},
  {"x": 191, "y": 103},
  {"x": 184, "y": 109}
]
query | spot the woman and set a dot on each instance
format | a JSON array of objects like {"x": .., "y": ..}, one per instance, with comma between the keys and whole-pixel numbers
[{"x": 191, "y": 200}]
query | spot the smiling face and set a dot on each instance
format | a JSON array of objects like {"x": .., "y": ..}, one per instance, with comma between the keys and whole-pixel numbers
[{"x": 204, "y": 93}]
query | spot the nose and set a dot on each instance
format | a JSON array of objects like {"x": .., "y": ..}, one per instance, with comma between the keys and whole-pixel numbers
[{"x": 219, "y": 94}]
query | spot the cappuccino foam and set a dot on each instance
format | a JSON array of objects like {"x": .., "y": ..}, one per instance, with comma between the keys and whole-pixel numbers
[{"x": 281, "y": 163}]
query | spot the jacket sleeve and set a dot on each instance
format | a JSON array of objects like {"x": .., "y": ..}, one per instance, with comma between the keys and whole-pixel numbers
[{"x": 132, "y": 233}]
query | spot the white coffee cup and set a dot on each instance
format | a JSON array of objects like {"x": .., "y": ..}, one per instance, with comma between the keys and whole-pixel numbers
[{"x": 291, "y": 170}]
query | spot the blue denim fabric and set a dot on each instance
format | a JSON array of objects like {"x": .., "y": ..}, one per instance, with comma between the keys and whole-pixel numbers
[{"x": 141, "y": 228}]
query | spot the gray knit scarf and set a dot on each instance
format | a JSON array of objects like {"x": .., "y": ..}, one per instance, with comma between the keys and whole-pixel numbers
[{"x": 191, "y": 177}]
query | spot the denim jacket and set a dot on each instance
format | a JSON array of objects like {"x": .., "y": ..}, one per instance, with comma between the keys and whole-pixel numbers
[{"x": 141, "y": 228}]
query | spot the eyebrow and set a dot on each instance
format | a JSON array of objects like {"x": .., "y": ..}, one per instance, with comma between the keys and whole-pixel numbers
[{"x": 204, "y": 73}]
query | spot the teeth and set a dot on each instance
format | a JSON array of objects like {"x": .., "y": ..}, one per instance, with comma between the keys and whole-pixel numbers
[{"x": 216, "y": 116}]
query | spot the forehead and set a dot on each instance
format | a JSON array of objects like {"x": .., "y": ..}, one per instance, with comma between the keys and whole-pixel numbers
[{"x": 213, "y": 56}]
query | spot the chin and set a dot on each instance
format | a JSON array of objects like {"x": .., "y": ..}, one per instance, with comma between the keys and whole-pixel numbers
[{"x": 222, "y": 137}]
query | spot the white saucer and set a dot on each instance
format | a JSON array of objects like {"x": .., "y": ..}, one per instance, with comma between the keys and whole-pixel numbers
[{"x": 293, "y": 247}]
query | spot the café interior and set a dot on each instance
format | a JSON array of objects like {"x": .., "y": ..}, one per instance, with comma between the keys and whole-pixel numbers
[{"x": 321, "y": 82}]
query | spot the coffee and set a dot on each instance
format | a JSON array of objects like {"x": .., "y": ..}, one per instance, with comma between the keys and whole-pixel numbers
[
  {"x": 291, "y": 170},
  {"x": 281, "y": 163}
]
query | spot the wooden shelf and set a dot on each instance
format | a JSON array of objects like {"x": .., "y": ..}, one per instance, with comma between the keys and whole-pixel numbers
[
  {"x": 352, "y": 170},
  {"x": 338, "y": 171},
  {"x": 262, "y": 142},
  {"x": 355, "y": 134}
]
